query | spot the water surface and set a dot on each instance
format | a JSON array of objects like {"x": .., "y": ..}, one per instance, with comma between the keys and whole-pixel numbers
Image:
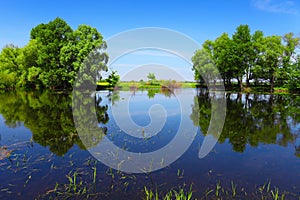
[{"x": 260, "y": 142}]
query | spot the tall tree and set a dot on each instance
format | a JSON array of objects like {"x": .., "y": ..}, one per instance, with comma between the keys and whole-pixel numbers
[
  {"x": 9, "y": 66},
  {"x": 82, "y": 42},
  {"x": 289, "y": 60},
  {"x": 294, "y": 75},
  {"x": 52, "y": 36},
  {"x": 271, "y": 59},
  {"x": 243, "y": 51},
  {"x": 256, "y": 40},
  {"x": 222, "y": 52},
  {"x": 203, "y": 66},
  {"x": 30, "y": 70}
]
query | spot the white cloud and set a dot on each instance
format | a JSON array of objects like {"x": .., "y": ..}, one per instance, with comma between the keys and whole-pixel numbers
[{"x": 287, "y": 7}]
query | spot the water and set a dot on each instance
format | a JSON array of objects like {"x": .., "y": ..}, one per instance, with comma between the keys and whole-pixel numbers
[{"x": 259, "y": 143}]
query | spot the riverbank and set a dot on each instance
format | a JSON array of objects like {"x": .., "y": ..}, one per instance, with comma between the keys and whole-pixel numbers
[{"x": 135, "y": 85}]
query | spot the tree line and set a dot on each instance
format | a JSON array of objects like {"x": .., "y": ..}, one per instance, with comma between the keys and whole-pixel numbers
[
  {"x": 52, "y": 57},
  {"x": 250, "y": 59},
  {"x": 55, "y": 53}
]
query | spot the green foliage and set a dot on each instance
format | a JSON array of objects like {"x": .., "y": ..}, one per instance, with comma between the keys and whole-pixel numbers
[
  {"x": 151, "y": 77},
  {"x": 204, "y": 66},
  {"x": 271, "y": 56},
  {"x": 9, "y": 66},
  {"x": 53, "y": 57},
  {"x": 242, "y": 52},
  {"x": 249, "y": 57},
  {"x": 113, "y": 79},
  {"x": 293, "y": 74}
]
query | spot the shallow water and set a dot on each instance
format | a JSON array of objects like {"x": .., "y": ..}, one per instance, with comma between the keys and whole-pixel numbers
[{"x": 259, "y": 143}]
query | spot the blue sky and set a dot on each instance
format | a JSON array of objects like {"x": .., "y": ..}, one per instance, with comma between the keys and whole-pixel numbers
[{"x": 201, "y": 20}]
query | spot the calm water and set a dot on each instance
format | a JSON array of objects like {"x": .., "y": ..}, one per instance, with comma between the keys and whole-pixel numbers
[{"x": 39, "y": 144}]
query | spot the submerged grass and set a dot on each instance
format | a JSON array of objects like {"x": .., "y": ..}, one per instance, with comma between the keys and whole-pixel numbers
[
  {"x": 76, "y": 188},
  {"x": 81, "y": 183},
  {"x": 179, "y": 194},
  {"x": 264, "y": 192}
]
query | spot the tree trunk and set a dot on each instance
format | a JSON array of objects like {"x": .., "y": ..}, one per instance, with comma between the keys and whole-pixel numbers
[
  {"x": 240, "y": 83},
  {"x": 272, "y": 80},
  {"x": 247, "y": 82}
]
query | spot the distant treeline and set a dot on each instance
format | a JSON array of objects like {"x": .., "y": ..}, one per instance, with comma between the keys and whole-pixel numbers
[
  {"x": 52, "y": 57},
  {"x": 250, "y": 59}
]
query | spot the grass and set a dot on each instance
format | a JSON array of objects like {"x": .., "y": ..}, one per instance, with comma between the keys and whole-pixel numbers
[
  {"x": 103, "y": 84},
  {"x": 171, "y": 84},
  {"x": 281, "y": 90},
  {"x": 85, "y": 185},
  {"x": 173, "y": 194},
  {"x": 218, "y": 192}
]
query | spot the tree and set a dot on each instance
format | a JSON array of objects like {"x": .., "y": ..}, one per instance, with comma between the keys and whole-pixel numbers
[
  {"x": 83, "y": 41},
  {"x": 243, "y": 51},
  {"x": 9, "y": 66},
  {"x": 52, "y": 36},
  {"x": 151, "y": 77},
  {"x": 254, "y": 56},
  {"x": 293, "y": 82},
  {"x": 271, "y": 59},
  {"x": 29, "y": 77},
  {"x": 289, "y": 62},
  {"x": 113, "y": 78},
  {"x": 220, "y": 51},
  {"x": 54, "y": 56},
  {"x": 203, "y": 66}
]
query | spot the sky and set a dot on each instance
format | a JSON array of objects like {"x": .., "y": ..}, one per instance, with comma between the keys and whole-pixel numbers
[{"x": 199, "y": 20}]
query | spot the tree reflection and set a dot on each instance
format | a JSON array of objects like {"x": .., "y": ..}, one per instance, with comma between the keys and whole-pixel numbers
[
  {"x": 167, "y": 92},
  {"x": 251, "y": 119},
  {"x": 49, "y": 117}
]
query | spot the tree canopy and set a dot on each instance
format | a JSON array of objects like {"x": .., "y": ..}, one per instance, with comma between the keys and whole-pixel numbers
[
  {"x": 251, "y": 59},
  {"x": 52, "y": 57}
]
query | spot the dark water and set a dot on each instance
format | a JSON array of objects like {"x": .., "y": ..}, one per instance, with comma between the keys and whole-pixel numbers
[{"x": 40, "y": 146}]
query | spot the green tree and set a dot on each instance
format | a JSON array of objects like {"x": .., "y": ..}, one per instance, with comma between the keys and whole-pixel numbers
[
  {"x": 29, "y": 77},
  {"x": 271, "y": 59},
  {"x": 203, "y": 66},
  {"x": 254, "y": 55},
  {"x": 54, "y": 56},
  {"x": 151, "y": 77},
  {"x": 9, "y": 66},
  {"x": 288, "y": 73},
  {"x": 221, "y": 52},
  {"x": 52, "y": 36},
  {"x": 242, "y": 56},
  {"x": 83, "y": 41},
  {"x": 294, "y": 75},
  {"x": 113, "y": 78}
]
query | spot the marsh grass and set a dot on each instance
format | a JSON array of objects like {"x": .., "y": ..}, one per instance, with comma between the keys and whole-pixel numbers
[
  {"x": 218, "y": 192},
  {"x": 83, "y": 183},
  {"x": 179, "y": 194}
]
